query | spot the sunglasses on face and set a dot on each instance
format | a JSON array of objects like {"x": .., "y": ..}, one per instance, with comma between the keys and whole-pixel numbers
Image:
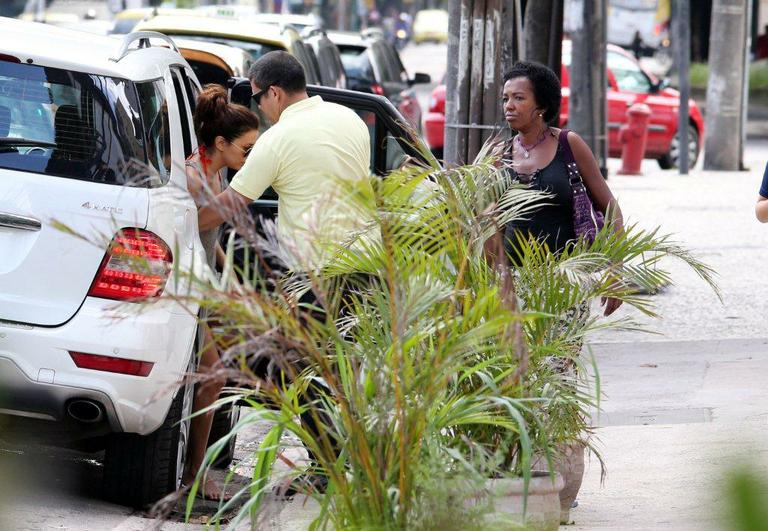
[
  {"x": 246, "y": 152},
  {"x": 256, "y": 97}
]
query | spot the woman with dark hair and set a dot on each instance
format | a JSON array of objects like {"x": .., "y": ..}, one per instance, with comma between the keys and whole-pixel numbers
[
  {"x": 226, "y": 133},
  {"x": 539, "y": 155},
  {"x": 531, "y": 100}
]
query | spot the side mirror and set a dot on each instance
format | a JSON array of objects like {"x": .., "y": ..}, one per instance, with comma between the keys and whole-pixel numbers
[
  {"x": 661, "y": 85},
  {"x": 419, "y": 79},
  {"x": 239, "y": 91}
]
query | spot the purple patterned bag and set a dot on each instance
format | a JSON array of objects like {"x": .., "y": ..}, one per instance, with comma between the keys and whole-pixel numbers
[{"x": 586, "y": 220}]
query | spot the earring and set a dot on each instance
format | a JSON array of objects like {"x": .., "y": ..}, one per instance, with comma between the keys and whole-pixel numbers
[{"x": 541, "y": 114}]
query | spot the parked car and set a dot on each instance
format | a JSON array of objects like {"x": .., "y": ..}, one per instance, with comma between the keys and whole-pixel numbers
[
  {"x": 373, "y": 65},
  {"x": 94, "y": 132},
  {"x": 430, "y": 25},
  {"x": 628, "y": 83},
  {"x": 328, "y": 57},
  {"x": 253, "y": 37}
]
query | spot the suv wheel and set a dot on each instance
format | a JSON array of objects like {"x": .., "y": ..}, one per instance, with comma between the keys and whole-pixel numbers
[
  {"x": 670, "y": 160},
  {"x": 141, "y": 469},
  {"x": 224, "y": 420}
]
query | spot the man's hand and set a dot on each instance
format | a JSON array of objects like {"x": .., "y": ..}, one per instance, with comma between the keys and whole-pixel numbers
[{"x": 220, "y": 209}]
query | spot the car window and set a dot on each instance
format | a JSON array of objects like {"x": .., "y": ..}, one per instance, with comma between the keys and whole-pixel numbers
[
  {"x": 71, "y": 124},
  {"x": 357, "y": 64},
  {"x": 154, "y": 112},
  {"x": 629, "y": 76}
]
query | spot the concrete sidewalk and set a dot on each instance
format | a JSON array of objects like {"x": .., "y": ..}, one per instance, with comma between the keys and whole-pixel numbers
[{"x": 677, "y": 417}]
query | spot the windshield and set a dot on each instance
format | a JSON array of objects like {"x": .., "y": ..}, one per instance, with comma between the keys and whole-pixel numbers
[{"x": 70, "y": 124}]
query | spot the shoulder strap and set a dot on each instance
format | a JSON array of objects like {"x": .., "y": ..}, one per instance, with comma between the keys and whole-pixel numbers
[{"x": 563, "y": 139}]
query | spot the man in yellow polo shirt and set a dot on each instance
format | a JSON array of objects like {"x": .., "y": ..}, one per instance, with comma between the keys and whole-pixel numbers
[
  {"x": 305, "y": 156},
  {"x": 312, "y": 147}
]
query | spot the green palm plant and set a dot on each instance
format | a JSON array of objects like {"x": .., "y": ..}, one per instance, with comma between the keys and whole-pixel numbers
[{"x": 434, "y": 373}]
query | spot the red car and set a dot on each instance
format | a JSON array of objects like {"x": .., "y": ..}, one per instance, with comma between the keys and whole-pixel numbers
[{"x": 629, "y": 83}]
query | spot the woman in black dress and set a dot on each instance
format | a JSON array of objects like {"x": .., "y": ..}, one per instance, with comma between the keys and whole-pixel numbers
[{"x": 531, "y": 100}]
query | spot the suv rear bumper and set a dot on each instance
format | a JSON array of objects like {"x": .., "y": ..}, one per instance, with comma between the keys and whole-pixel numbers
[{"x": 38, "y": 377}]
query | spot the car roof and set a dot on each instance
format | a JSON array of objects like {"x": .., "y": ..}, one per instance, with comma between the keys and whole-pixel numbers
[
  {"x": 46, "y": 45},
  {"x": 280, "y": 18},
  {"x": 242, "y": 30}
]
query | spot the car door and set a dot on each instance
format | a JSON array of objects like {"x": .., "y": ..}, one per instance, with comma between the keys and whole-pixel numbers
[{"x": 392, "y": 144}]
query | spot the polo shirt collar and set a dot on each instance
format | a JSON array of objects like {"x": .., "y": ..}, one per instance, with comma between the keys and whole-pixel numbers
[{"x": 300, "y": 106}]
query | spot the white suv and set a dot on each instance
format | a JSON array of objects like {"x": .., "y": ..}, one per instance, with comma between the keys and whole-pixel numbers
[{"x": 93, "y": 137}]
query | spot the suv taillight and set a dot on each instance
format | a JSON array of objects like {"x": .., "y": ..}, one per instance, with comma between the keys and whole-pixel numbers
[
  {"x": 135, "y": 267},
  {"x": 377, "y": 89}
]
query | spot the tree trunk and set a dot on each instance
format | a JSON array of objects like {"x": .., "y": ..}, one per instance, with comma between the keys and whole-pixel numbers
[
  {"x": 726, "y": 88},
  {"x": 484, "y": 40}
]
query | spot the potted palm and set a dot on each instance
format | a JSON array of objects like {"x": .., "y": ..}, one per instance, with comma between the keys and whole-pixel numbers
[{"x": 436, "y": 386}]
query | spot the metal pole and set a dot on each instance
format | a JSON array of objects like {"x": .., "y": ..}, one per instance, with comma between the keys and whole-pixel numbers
[{"x": 682, "y": 24}]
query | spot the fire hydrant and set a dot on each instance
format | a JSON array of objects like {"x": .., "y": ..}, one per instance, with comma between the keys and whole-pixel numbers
[{"x": 633, "y": 136}]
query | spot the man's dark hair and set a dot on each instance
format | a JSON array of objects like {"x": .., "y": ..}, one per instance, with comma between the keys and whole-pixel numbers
[
  {"x": 279, "y": 69},
  {"x": 546, "y": 86}
]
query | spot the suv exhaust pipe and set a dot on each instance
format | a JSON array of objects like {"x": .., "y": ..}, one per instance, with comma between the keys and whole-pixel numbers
[{"x": 85, "y": 410}]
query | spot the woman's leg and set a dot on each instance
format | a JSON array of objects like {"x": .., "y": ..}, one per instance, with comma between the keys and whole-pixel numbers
[{"x": 206, "y": 393}]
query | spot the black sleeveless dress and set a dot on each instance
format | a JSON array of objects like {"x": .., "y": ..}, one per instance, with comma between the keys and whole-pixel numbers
[{"x": 552, "y": 222}]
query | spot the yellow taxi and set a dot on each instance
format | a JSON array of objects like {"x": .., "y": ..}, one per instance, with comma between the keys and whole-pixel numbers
[{"x": 255, "y": 38}]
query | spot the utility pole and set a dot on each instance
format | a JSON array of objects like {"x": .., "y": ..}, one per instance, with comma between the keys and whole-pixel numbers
[
  {"x": 544, "y": 32},
  {"x": 726, "y": 91},
  {"x": 587, "y": 107},
  {"x": 484, "y": 40},
  {"x": 681, "y": 18}
]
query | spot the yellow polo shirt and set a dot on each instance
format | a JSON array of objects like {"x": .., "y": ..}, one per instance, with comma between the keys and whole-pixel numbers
[{"x": 313, "y": 146}]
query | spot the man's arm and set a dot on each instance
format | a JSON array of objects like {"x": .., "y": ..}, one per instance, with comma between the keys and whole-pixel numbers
[{"x": 222, "y": 208}]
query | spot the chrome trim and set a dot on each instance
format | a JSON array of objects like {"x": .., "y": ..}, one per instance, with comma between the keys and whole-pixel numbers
[{"x": 14, "y": 221}]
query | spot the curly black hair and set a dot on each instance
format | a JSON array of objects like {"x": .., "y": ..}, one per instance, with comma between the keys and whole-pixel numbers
[{"x": 546, "y": 86}]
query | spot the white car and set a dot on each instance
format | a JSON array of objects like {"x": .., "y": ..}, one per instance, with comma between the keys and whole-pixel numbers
[{"x": 94, "y": 132}]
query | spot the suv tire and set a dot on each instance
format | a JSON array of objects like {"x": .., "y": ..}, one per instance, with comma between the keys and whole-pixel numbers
[
  {"x": 141, "y": 469},
  {"x": 224, "y": 420}
]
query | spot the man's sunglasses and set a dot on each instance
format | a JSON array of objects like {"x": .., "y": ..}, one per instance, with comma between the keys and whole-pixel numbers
[{"x": 258, "y": 95}]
